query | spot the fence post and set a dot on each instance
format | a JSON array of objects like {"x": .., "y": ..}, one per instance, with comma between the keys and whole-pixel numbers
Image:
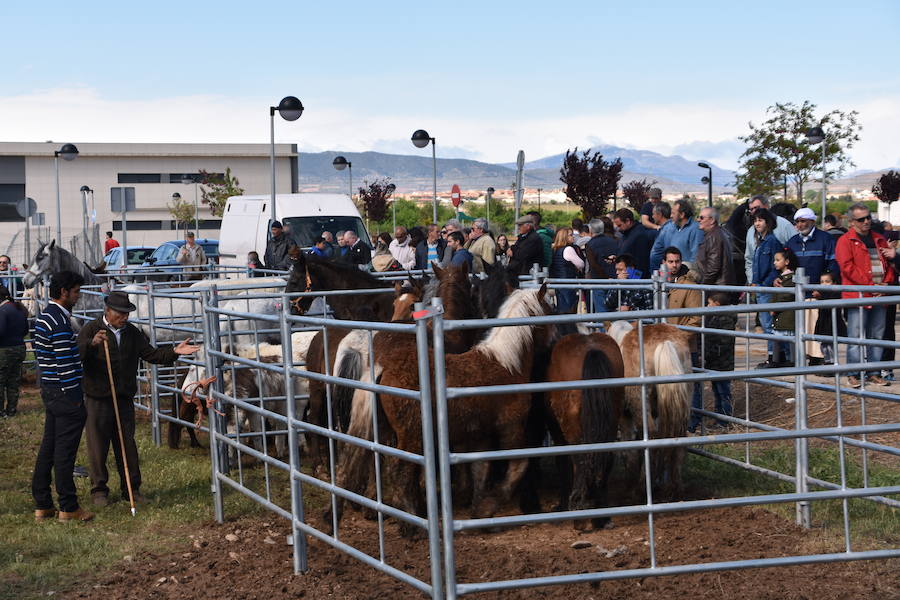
[
  {"x": 297, "y": 515},
  {"x": 154, "y": 371},
  {"x": 801, "y": 444},
  {"x": 211, "y": 341}
]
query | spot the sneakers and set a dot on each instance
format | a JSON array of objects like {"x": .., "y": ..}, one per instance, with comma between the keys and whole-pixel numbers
[
  {"x": 76, "y": 515},
  {"x": 853, "y": 381},
  {"x": 44, "y": 514},
  {"x": 100, "y": 499},
  {"x": 877, "y": 380},
  {"x": 79, "y": 471},
  {"x": 768, "y": 364}
]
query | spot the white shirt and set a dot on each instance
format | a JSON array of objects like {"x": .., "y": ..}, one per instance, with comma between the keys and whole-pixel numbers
[{"x": 116, "y": 332}]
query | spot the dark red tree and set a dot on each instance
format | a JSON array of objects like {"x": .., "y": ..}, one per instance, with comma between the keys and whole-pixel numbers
[
  {"x": 636, "y": 192},
  {"x": 374, "y": 198},
  {"x": 887, "y": 188},
  {"x": 590, "y": 181}
]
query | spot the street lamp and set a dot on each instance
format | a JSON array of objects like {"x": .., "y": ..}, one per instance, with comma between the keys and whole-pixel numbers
[
  {"x": 85, "y": 190},
  {"x": 487, "y": 205},
  {"x": 420, "y": 139},
  {"x": 68, "y": 152},
  {"x": 290, "y": 108},
  {"x": 176, "y": 198},
  {"x": 707, "y": 180},
  {"x": 340, "y": 163},
  {"x": 187, "y": 179},
  {"x": 816, "y": 135}
]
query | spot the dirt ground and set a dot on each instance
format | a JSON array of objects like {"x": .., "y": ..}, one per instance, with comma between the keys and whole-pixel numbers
[{"x": 249, "y": 557}]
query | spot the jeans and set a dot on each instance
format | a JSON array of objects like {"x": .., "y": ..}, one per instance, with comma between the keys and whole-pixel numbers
[
  {"x": 784, "y": 351},
  {"x": 697, "y": 400},
  {"x": 722, "y": 391},
  {"x": 598, "y": 301},
  {"x": 873, "y": 329},
  {"x": 566, "y": 301},
  {"x": 766, "y": 319},
  {"x": 63, "y": 423}
]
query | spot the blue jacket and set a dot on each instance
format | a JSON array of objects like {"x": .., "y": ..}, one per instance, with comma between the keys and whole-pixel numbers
[
  {"x": 462, "y": 256},
  {"x": 686, "y": 238},
  {"x": 816, "y": 254},
  {"x": 763, "y": 268}
]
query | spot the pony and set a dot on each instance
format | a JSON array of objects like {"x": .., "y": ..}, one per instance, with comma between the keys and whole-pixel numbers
[
  {"x": 667, "y": 349},
  {"x": 475, "y": 423},
  {"x": 584, "y": 417},
  {"x": 50, "y": 259},
  {"x": 311, "y": 273},
  {"x": 493, "y": 288}
]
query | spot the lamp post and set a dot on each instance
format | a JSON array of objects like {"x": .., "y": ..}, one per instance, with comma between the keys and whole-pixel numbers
[
  {"x": 176, "y": 198},
  {"x": 420, "y": 139},
  {"x": 68, "y": 152},
  {"x": 487, "y": 205},
  {"x": 290, "y": 109},
  {"x": 85, "y": 190},
  {"x": 707, "y": 180},
  {"x": 187, "y": 179},
  {"x": 340, "y": 163},
  {"x": 816, "y": 135}
]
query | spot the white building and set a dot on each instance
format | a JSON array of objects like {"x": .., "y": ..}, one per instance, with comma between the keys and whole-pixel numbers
[{"x": 155, "y": 171}]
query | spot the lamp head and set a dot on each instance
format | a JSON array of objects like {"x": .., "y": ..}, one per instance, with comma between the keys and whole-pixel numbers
[
  {"x": 67, "y": 152},
  {"x": 85, "y": 188},
  {"x": 340, "y": 163},
  {"x": 704, "y": 179},
  {"x": 815, "y": 135},
  {"x": 176, "y": 196},
  {"x": 290, "y": 108},
  {"x": 703, "y": 165},
  {"x": 490, "y": 190},
  {"x": 420, "y": 138}
]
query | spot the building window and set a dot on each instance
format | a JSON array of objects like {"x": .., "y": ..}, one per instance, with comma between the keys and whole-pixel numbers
[
  {"x": 177, "y": 177},
  {"x": 140, "y": 178},
  {"x": 139, "y": 225},
  {"x": 10, "y": 194}
]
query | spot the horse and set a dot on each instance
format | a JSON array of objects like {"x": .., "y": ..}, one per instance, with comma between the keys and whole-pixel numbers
[
  {"x": 584, "y": 417},
  {"x": 667, "y": 349},
  {"x": 493, "y": 288},
  {"x": 50, "y": 259},
  {"x": 475, "y": 423},
  {"x": 311, "y": 273}
]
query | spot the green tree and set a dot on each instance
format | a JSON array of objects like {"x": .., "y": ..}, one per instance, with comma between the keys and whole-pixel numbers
[
  {"x": 590, "y": 181},
  {"x": 778, "y": 146},
  {"x": 219, "y": 187},
  {"x": 887, "y": 188},
  {"x": 181, "y": 210}
]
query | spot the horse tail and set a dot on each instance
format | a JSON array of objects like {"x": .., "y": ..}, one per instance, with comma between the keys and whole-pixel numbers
[
  {"x": 673, "y": 399},
  {"x": 348, "y": 365}
]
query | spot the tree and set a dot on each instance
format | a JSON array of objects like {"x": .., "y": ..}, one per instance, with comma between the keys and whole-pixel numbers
[
  {"x": 778, "y": 147},
  {"x": 374, "y": 198},
  {"x": 590, "y": 181},
  {"x": 887, "y": 188},
  {"x": 181, "y": 210},
  {"x": 636, "y": 192},
  {"x": 219, "y": 187}
]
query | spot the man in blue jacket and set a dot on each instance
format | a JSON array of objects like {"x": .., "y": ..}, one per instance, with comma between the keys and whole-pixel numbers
[
  {"x": 637, "y": 240},
  {"x": 682, "y": 232}
]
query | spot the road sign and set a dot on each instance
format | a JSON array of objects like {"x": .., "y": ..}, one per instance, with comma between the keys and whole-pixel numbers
[
  {"x": 38, "y": 220},
  {"x": 115, "y": 197},
  {"x": 454, "y": 195},
  {"x": 26, "y": 207}
]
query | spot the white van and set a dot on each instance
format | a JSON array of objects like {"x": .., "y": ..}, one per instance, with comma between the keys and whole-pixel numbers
[{"x": 246, "y": 222}]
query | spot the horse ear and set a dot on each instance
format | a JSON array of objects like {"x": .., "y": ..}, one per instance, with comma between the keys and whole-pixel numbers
[
  {"x": 542, "y": 292},
  {"x": 51, "y": 244},
  {"x": 439, "y": 272},
  {"x": 397, "y": 287}
]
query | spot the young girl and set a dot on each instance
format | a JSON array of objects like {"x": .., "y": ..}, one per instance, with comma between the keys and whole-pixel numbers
[
  {"x": 719, "y": 353},
  {"x": 825, "y": 325},
  {"x": 785, "y": 261}
]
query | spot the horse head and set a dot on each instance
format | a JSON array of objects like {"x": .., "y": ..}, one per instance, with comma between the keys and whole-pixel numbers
[
  {"x": 406, "y": 294},
  {"x": 43, "y": 263},
  {"x": 494, "y": 288},
  {"x": 455, "y": 291},
  {"x": 299, "y": 280}
]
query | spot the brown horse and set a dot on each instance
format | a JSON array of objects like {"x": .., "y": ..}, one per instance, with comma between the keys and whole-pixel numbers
[
  {"x": 667, "y": 352},
  {"x": 476, "y": 422},
  {"x": 585, "y": 417}
]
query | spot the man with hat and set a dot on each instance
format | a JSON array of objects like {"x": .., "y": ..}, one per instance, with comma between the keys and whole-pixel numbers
[
  {"x": 276, "y": 256},
  {"x": 527, "y": 250},
  {"x": 127, "y": 344},
  {"x": 192, "y": 257}
]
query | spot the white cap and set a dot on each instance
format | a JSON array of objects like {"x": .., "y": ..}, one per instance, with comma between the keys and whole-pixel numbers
[{"x": 805, "y": 213}]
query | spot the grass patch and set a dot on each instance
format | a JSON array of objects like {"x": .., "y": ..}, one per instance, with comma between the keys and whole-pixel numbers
[{"x": 867, "y": 519}]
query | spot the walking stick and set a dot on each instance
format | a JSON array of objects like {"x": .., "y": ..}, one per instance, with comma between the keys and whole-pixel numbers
[{"x": 112, "y": 387}]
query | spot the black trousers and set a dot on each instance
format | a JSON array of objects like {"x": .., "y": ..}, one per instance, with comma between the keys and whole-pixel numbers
[
  {"x": 101, "y": 433},
  {"x": 64, "y": 417}
]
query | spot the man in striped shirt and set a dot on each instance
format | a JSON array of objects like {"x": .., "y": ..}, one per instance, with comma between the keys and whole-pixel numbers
[{"x": 59, "y": 365}]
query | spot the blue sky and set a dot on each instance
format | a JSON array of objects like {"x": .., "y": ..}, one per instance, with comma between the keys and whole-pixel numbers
[{"x": 485, "y": 78}]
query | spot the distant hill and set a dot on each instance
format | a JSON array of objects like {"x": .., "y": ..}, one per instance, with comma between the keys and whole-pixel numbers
[{"x": 414, "y": 173}]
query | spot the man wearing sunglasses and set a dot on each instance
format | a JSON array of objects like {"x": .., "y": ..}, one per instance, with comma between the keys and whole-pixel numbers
[{"x": 861, "y": 257}]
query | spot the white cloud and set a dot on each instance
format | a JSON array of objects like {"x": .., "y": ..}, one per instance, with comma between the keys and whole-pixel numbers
[{"x": 82, "y": 114}]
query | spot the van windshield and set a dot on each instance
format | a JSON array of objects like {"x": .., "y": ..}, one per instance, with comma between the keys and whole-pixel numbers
[{"x": 304, "y": 230}]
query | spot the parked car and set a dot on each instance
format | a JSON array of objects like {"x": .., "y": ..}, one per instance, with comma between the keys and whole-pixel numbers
[
  {"x": 162, "y": 264},
  {"x": 115, "y": 263}
]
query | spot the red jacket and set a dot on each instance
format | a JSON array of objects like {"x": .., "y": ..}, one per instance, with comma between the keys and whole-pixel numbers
[
  {"x": 856, "y": 267},
  {"x": 109, "y": 244}
]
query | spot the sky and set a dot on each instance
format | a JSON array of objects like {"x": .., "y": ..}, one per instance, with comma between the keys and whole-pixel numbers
[{"x": 486, "y": 79}]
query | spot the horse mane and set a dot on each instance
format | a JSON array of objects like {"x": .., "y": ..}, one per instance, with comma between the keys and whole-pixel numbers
[
  {"x": 618, "y": 330},
  {"x": 505, "y": 344},
  {"x": 346, "y": 275}
]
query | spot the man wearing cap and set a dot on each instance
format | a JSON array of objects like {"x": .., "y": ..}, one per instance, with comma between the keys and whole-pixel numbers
[
  {"x": 127, "y": 344},
  {"x": 654, "y": 196},
  {"x": 192, "y": 257},
  {"x": 276, "y": 256},
  {"x": 527, "y": 250}
]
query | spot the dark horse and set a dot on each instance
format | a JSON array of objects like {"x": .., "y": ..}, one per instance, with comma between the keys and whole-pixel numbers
[{"x": 585, "y": 417}]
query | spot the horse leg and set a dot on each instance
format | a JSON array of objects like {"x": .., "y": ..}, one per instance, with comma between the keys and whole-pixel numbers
[
  {"x": 174, "y": 436},
  {"x": 480, "y": 472}
]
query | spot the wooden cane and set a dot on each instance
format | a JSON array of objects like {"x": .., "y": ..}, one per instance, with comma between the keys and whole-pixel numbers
[{"x": 112, "y": 387}]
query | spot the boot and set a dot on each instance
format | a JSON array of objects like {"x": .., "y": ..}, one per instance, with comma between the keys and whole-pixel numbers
[{"x": 76, "y": 515}]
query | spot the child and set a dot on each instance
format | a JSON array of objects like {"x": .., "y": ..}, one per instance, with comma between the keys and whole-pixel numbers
[
  {"x": 628, "y": 299},
  {"x": 253, "y": 263},
  {"x": 825, "y": 325},
  {"x": 785, "y": 261},
  {"x": 719, "y": 353}
]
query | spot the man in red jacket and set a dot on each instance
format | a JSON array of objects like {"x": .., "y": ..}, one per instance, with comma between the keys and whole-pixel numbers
[{"x": 860, "y": 256}]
